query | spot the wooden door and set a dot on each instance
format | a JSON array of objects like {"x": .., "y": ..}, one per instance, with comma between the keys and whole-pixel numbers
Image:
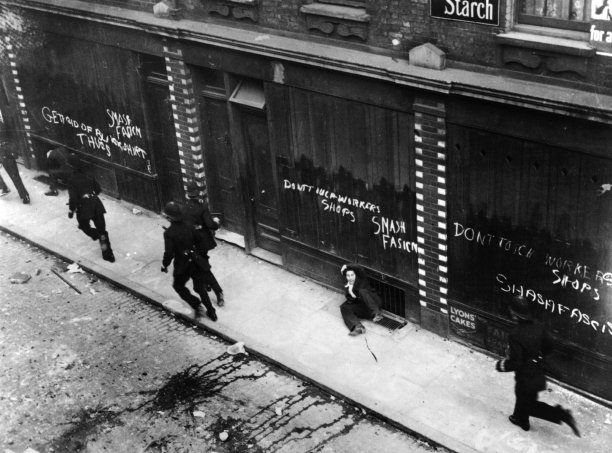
[
  {"x": 163, "y": 141},
  {"x": 222, "y": 184},
  {"x": 263, "y": 180}
]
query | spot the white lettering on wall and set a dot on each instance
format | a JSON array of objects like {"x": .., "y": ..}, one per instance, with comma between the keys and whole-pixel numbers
[{"x": 121, "y": 131}]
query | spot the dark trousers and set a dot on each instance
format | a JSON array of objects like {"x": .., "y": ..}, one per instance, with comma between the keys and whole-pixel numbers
[
  {"x": 353, "y": 310},
  {"x": 210, "y": 279},
  {"x": 55, "y": 176},
  {"x": 99, "y": 225},
  {"x": 194, "y": 273},
  {"x": 10, "y": 165},
  {"x": 527, "y": 405}
]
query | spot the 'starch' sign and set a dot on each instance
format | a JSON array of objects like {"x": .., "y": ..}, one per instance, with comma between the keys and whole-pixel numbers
[
  {"x": 601, "y": 25},
  {"x": 477, "y": 11}
]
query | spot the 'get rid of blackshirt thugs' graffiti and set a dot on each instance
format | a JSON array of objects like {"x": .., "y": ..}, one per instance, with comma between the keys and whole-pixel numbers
[
  {"x": 120, "y": 131},
  {"x": 389, "y": 231}
]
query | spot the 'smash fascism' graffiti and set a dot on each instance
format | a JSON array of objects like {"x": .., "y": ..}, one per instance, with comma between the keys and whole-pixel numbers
[
  {"x": 390, "y": 231},
  {"x": 564, "y": 273},
  {"x": 120, "y": 131}
]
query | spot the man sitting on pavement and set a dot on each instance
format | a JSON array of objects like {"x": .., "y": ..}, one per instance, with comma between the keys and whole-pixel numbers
[{"x": 361, "y": 300}]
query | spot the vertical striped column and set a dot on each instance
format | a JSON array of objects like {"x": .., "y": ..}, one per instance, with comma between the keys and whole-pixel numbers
[
  {"x": 184, "y": 112},
  {"x": 23, "y": 112},
  {"x": 430, "y": 160}
]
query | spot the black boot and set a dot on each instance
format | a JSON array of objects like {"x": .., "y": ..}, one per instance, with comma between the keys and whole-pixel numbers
[
  {"x": 522, "y": 424},
  {"x": 569, "y": 420},
  {"x": 107, "y": 252}
]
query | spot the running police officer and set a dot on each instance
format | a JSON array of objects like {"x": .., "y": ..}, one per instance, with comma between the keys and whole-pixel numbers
[
  {"x": 198, "y": 215},
  {"x": 83, "y": 191},
  {"x": 180, "y": 246}
]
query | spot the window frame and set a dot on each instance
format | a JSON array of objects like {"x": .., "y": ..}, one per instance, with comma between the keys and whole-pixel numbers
[{"x": 551, "y": 22}]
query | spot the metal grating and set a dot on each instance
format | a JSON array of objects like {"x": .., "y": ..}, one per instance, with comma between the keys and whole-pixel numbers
[
  {"x": 391, "y": 323},
  {"x": 393, "y": 298}
]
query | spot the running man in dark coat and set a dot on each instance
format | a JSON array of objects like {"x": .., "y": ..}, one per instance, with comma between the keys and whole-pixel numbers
[
  {"x": 527, "y": 346},
  {"x": 180, "y": 246},
  {"x": 198, "y": 215},
  {"x": 361, "y": 300},
  {"x": 8, "y": 160},
  {"x": 83, "y": 191}
]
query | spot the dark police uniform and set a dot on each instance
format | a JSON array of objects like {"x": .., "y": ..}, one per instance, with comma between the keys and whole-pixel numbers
[
  {"x": 180, "y": 246},
  {"x": 527, "y": 345},
  {"x": 197, "y": 214},
  {"x": 58, "y": 168},
  {"x": 83, "y": 190},
  {"x": 9, "y": 162}
]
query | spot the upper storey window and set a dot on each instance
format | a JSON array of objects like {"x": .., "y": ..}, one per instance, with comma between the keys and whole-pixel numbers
[{"x": 567, "y": 14}]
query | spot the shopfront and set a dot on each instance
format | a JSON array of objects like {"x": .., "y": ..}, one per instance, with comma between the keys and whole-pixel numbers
[
  {"x": 319, "y": 167},
  {"x": 103, "y": 103},
  {"x": 530, "y": 215}
]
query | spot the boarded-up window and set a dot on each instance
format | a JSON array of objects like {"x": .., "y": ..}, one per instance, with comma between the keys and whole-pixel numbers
[
  {"x": 346, "y": 179},
  {"x": 531, "y": 219},
  {"x": 86, "y": 96}
]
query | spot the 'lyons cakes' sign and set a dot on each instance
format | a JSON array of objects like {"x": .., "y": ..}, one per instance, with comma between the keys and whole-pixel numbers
[{"x": 477, "y": 11}]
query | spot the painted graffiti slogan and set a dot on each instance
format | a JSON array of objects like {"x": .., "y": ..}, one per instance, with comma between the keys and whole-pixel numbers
[
  {"x": 493, "y": 240},
  {"x": 116, "y": 137},
  {"x": 560, "y": 273},
  {"x": 551, "y": 306},
  {"x": 392, "y": 232}
]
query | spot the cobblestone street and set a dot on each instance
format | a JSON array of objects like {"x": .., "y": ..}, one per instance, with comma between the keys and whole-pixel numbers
[{"x": 104, "y": 371}]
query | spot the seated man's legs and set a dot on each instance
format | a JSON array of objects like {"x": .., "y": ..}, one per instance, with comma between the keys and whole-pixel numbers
[{"x": 352, "y": 311}]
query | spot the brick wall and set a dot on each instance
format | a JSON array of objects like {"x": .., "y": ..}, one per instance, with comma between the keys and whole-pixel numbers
[
  {"x": 430, "y": 167},
  {"x": 407, "y": 20},
  {"x": 184, "y": 112},
  {"x": 16, "y": 36},
  {"x": 410, "y": 20},
  {"x": 283, "y": 15}
]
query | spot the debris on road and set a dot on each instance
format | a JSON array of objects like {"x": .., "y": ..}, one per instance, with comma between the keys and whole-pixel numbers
[
  {"x": 84, "y": 318},
  {"x": 237, "y": 348},
  {"x": 20, "y": 277},
  {"x": 74, "y": 268},
  {"x": 65, "y": 281},
  {"x": 65, "y": 357}
]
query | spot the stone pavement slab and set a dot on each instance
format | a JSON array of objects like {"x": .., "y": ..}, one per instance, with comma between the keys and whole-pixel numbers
[{"x": 437, "y": 388}]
